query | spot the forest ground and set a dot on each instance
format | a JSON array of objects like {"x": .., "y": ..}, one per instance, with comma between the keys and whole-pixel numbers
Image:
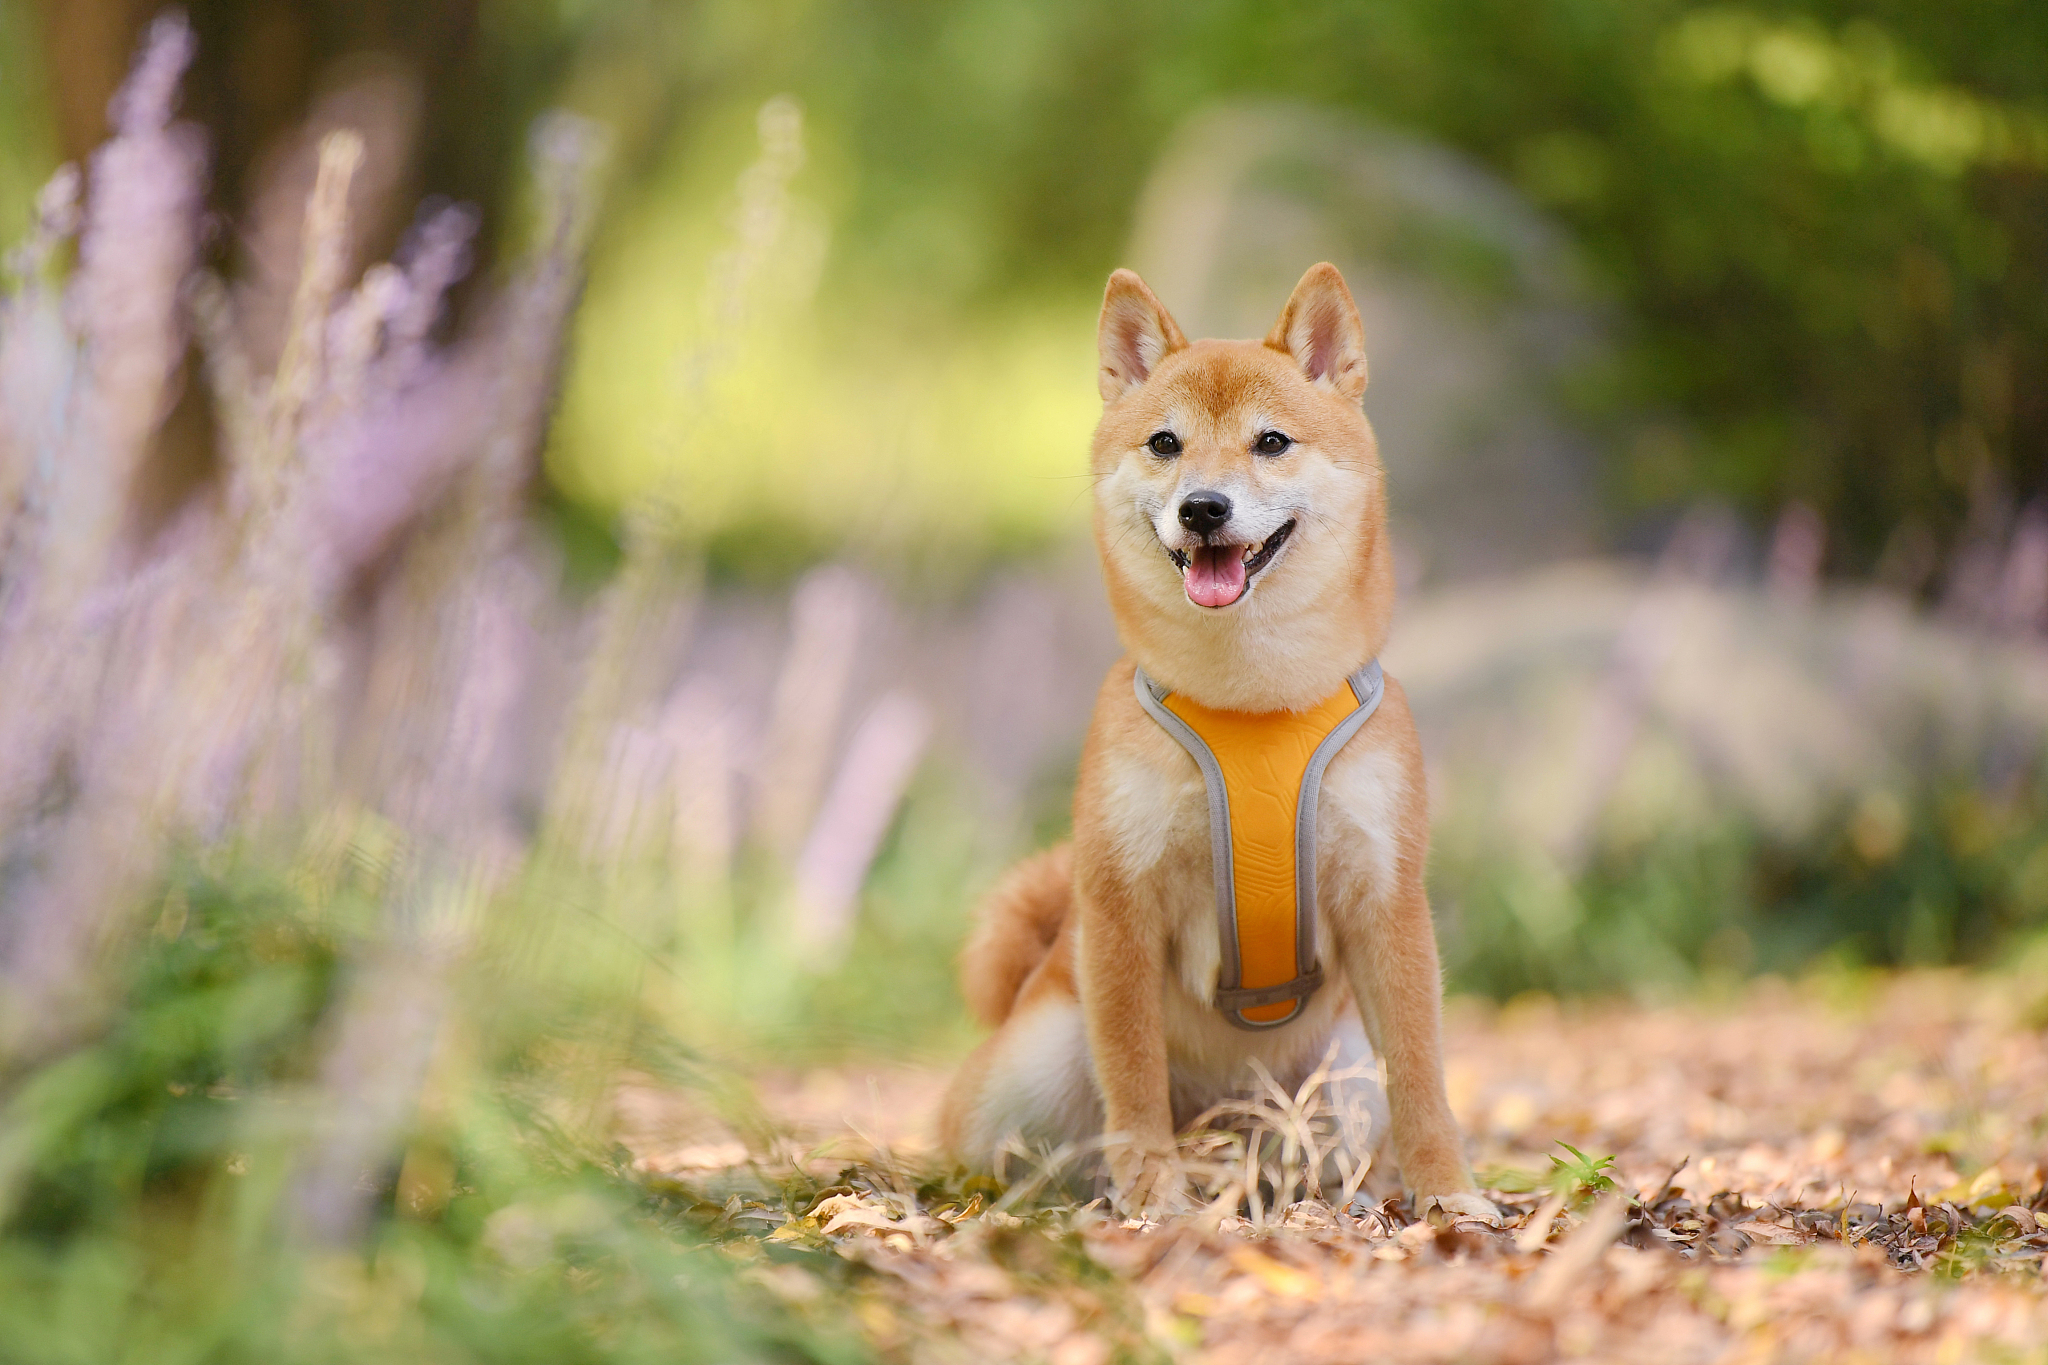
[{"x": 1849, "y": 1168}]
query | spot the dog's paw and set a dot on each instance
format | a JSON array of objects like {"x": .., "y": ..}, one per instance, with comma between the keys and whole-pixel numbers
[
  {"x": 1153, "y": 1185},
  {"x": 1450, "y": 1208}
]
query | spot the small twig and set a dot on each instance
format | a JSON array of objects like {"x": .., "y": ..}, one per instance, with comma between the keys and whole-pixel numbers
[{"x": 1665, "y": 1188}]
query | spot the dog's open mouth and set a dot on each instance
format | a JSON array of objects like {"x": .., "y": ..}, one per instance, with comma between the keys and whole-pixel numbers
[{"x": 1217, "y": 575}]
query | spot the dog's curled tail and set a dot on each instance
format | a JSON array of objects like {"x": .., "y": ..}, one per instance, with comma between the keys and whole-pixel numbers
[{"x": 1020, "y": 920}]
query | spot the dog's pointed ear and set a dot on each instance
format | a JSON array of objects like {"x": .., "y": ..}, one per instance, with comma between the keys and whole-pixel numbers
[
  {"x": 1319, "y": 327},
  {"x": 1135, "y": 334}
]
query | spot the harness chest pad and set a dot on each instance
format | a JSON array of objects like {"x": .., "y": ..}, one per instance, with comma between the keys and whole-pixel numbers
[{"x": 1263, "y": 772}]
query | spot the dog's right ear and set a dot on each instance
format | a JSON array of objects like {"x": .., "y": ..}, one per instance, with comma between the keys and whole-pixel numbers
[{"x": 1135, "y": 334}]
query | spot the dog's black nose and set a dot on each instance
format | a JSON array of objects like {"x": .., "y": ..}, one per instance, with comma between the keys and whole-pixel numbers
[{"x": 1204, "y": 511}]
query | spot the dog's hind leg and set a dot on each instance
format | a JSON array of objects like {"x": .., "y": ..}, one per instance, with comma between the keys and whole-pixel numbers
[
  {"x": 1028, "y": 1094},
  {"x": 1031, "y": 1086}
]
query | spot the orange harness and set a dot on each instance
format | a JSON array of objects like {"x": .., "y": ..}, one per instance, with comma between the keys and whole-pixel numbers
[{"x": 1263, "y": 772}]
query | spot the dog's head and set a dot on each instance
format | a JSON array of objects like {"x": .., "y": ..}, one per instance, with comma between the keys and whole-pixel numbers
[{"x": 1238, "y": 497}]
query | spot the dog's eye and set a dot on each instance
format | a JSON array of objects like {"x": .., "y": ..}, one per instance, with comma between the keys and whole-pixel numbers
[
  {"x": 1272, "y": 443},
  {"x": 1164, "y": 443}
]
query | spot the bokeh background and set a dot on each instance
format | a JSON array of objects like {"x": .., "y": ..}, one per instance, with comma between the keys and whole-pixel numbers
[
  {"x": 629, "y": 629},
  {"x": 1707, "y": 349}
]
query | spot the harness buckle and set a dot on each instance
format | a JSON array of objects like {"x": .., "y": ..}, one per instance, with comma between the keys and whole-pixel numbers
[{"x": 1301, "y": 988}]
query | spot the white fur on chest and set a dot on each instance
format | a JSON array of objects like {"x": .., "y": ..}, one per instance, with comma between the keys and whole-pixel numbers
[{"x": 1158, "y": 820}]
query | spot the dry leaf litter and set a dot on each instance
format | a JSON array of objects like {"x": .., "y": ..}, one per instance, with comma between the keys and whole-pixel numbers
[{"x": 1848, "y": 1170}]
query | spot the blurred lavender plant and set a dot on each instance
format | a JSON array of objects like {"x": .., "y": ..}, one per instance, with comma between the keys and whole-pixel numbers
[
  {"x": 648, "y": 604},
  {"x": 636, "y": 758},
  {"x": 350, "y": 646},
  {"x": 321, "y": 663},
  {"x": 188, "y": 686}
]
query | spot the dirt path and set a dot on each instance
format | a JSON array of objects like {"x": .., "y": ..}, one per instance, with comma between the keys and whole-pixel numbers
[{"x": 1857, "y": 1170}]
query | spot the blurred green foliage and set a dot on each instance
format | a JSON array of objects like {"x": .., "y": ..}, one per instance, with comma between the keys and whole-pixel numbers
[
  {"x": 728, "y": 976},
  {"x": 1949, "y": 873},
  {"x": 1576, "y": 1179},
  {"x": 26, "y": 153},
  {"x": 1823, "y": 226},
  {"x": 147, "y": 1172}
]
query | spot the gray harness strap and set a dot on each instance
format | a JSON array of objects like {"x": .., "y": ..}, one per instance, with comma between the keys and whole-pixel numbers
[{"x": 1368, "y": 685}]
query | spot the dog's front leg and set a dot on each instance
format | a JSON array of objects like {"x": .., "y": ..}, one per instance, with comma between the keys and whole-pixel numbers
[
  {"x": 1393, "y": 968},
  {"x": 1122, "y": 966}
]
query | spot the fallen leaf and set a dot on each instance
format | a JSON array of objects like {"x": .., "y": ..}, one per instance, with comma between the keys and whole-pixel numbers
[{"x": 1283, "y": 1280}]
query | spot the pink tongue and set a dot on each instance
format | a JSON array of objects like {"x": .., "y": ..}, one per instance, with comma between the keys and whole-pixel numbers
[{"x": 1215, "y": 575}]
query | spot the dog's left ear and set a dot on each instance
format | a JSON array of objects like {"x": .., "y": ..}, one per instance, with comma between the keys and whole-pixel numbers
[{"x": 1319, "y": 327}]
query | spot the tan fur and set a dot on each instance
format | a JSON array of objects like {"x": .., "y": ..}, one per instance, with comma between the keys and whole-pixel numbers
[{"x": 1134, "y": 966}]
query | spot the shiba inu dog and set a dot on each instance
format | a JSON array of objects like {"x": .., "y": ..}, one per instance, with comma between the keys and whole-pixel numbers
[{"x": 1240, "y": 515}]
